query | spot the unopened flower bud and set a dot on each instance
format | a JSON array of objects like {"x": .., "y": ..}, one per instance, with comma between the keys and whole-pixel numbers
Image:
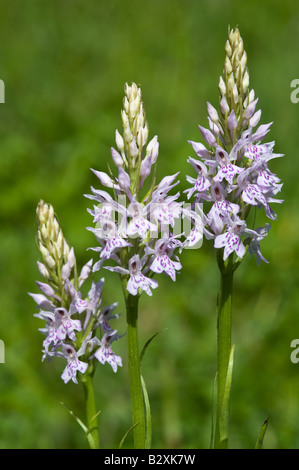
[
  {"x": 119, "y": 141},
  {"x": 116, "y": 157},
  {"x": 46, "y": 289},
  {"x": 133, "y": 148},
  {"x": 42, "y": 212},
  {"x": 60, "y": 244},
  {"x": 134, "y": 106},
  {"x": 212, "y": 113},
  {"x": 243, "y": 62},
  {"x": 140, "y": 120},
  {"x": 125, "y": 119},
  {"x": 50, "y": 262},
  {"x": 126, "y": 105},
  {"x": 250, "y": 109},
  {"x": 123, "y": 179},
  {"x": 224, "y": 106},
  {"x": 44, "y": 232},
  {"x": 71, "y": 257},
  {"x": 240, "y": 48},
  {"x": 143, "y": 136},
  {"x": 43, "y": 250},
  {"x": 43, "y": 270},
  {"x": 66, "y": 250},
  {"x": 255, "y": 118},
  {"x": 228, "y": 49},
  {"x": 66, "y": 271},
  {"x": 228, "y": 66},
  {"x": 234, "y": 37},
  {"x": 235, "y": 93},
  {"x": 245, "y": 82},
  {"x": 208, "y": 136},
  {"x": 222, "y": 87},
  {"x": 251, "y": 96},
  {"x": 51, "y": 212},
  {"x": 230, "y": 84},
  {"x": 55, "y": 229},
  {"x": 128, "y": 136},
  {"x": 153, "y": 149},
  {"x": 104, "y": 179}
]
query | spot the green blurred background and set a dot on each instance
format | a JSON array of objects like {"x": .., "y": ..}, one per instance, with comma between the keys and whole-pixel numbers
[{"x": 64, "y": 64}]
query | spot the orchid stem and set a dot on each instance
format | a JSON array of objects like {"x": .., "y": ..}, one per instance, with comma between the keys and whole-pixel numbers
[
  {"x": 224, "y": 326},
  {"x": 137, "y": 403},
  {"x": 91, "y": 412}
]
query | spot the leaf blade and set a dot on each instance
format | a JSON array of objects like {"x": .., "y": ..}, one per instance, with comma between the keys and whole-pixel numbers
[
  {"x": 224, "y": 414},
  {"x": 260, "y": 440}
]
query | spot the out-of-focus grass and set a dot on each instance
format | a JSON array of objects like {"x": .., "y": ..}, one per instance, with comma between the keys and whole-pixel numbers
[{"x": 64, "y": 64}]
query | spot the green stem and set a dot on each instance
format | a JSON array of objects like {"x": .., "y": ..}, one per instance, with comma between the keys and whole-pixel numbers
[
  {"x": 91, "y": 413},
  {"x": 224, "y": 326},
  {"x": 137, "y": 403}
]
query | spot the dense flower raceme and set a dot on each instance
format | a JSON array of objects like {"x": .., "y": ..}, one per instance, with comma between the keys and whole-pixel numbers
[
  {"x": 140, "y": 230},
  {"x": 233, "y": 174},
  {"x": 72, "y": 324}
]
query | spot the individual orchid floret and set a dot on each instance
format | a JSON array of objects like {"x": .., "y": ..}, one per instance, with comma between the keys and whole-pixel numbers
[
  {"x": 66, "y": 326},
  {"x": 166, "y": 211},
  {"x": 202, "y": 182},
  {"x": 226, "y": 170},
  {"x": 73, "y": 364},
  {"x": 105, "y": 353},
  {"x": 254, "y": 245},
  {"x": 108, "y": 236},
  {"x": 139, "y": 223},
  {"x": 195, "y": 226},
  {"x": 50, "y": 330},
  {"x": 161, "y": 258},
  {"x": 106, "y": 315},
  {"x": 137, "y": 279},
  {"x": 230, "y": 240},
  {"x": 250, "y": 192}
]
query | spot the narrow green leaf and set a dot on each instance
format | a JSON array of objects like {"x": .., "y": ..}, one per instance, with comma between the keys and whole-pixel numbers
[
  {"x": 148, "y": 342},
  {"x": 261, "y": 436},
  {"x": 125, "y": 436},
  {"x": 224, "y": 414},
  {"x": 214, "y": 403},
  {"x": 82, "y": 425},
  {"x": 148, "y": 431}
]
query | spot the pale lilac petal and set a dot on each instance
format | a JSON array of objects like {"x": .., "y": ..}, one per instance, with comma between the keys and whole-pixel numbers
[
  {"x": 42, "y": 301},
  {"x": 208, "y": 136},
  {"x": 105, "y": 180},
  {"x": 107, "y": 355},
  {"x": 46, "y": 289}
]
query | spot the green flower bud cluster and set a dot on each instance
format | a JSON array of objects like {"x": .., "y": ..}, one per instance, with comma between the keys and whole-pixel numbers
[{"x": 58, "y": 257}]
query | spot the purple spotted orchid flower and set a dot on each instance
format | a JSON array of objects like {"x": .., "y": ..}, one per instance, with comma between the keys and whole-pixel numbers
[
  {"x": 233, "y": 177},
  {"x": 69, "y": 318},
  {"x": 136, "y": 233},
  {"x": 73, "y": 364}
]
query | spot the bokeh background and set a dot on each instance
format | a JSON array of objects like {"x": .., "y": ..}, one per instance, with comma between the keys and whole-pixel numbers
[{"x": 64, "y": 64}]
